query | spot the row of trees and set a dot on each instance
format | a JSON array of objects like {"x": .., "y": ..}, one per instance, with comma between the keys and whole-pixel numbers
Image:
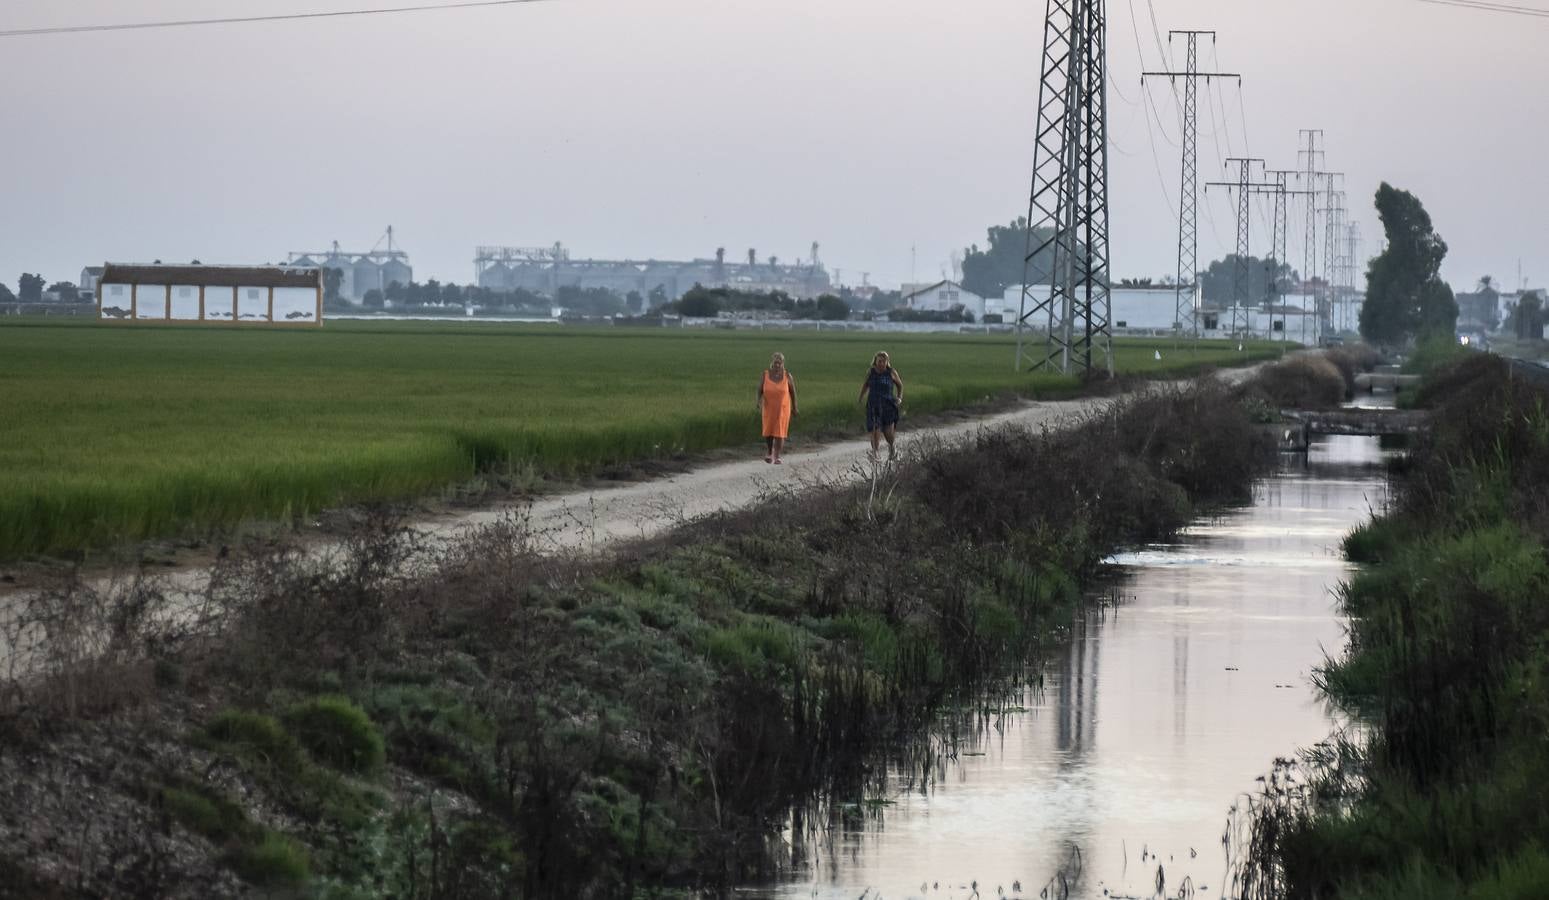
[
  {"x": 31, "y": 290},
  {"x": 1001, "y": 264},
  {"x": 703, "y": 302}
]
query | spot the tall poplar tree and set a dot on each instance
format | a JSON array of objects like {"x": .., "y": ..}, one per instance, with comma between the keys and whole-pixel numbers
[{"x": 1405, "y": 296}]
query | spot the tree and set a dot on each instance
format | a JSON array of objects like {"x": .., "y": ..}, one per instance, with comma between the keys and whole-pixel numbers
[
  {"x": 1405, "y": 296},
  {"x": 1219, "y": 282},
  {"x": 1527, "y": 318},
  {"x": 373, "y": 298},
  {"x": 333, "y": 279},
  {"x": 832, "y": 308},
  {"x": 1000, "y": 265},
  {"x": 657, "y": 296},
  {"x": 700, "y": 303},
  {"x": 396, "y": 293},
  {"x": 634, "y": 302},
  {"x": 451, "y": 294},
  {"x": 66, "y": 291},
  {"x": 31, "y": 288},
  {"x": 5, "y": 294}
]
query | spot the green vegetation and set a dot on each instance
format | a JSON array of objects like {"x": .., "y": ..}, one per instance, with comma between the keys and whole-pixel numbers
[
  {"x": 559, "y": 728},
  {"x": 337, "y": 733},
  {"x": 276, "y": 861},
  {"x": 1405, "y": 296},
  {"x": 1448, "y": 656},
  {"x": 122, "y": 433}
]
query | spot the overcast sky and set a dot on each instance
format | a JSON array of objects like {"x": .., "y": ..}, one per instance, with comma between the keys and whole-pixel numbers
[{"x": 668, "y": 128}]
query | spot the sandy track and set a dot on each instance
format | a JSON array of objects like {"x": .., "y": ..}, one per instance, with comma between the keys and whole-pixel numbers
[{"x": 593, "y": 519}]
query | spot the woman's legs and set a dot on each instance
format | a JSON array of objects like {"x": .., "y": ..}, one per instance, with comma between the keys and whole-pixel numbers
[
  {"x": 876, "y": 438},
  {"x": 889, "y": 432},
  {"x": 777, "y": 445},
  {"x": 769, "y": 443}
]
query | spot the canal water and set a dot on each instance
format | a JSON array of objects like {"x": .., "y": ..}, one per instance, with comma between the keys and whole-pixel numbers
[{"x": 1163, "y": 709}]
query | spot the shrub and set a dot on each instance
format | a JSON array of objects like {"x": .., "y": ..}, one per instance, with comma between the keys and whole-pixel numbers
[
  {"x": 276, "y": 861},
  {"x": 339, "y": 734},
  {"x": 257, "y": 735},
  {"x": 1302, "y": 382},
  {"x": 204, "y": 812}
]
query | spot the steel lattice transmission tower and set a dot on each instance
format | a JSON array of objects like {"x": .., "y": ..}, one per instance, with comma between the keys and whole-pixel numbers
[
  {"x": 1245, "y": 187},
  {"x": 1314, "y": 156},
  {"x": 1067, "y": 220},
  {"x": 1186, "y": 317}
]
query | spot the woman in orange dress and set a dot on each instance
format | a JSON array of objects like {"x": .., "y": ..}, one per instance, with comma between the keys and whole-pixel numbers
[{"x": 777, "y": 403}]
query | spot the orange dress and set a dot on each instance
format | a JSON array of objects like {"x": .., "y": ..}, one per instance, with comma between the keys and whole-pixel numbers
[{"x": 777, "y": 406}]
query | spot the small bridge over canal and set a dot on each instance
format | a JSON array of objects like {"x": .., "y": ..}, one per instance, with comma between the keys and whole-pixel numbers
[{"x": 1302, "y": 425}]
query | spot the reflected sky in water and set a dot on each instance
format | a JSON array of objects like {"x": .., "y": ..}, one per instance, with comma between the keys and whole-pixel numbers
[{"x": 1153, "y": 719}]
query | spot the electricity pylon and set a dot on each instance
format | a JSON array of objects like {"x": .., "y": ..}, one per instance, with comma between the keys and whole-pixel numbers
[
  {"x": 1245, "y": 187},
  {"x": 1067, "y": 220},
  {"x": 1186, "y": 319}
]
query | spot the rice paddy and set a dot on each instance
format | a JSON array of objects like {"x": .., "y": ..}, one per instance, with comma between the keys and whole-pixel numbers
[{"x": 115, "y": 433}]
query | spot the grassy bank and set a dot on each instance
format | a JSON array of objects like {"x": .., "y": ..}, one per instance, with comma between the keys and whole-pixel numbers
[
  {"x": 1448, "y": 663},
  {"x": 493, "y": 722},
  {"x": 121, "y": 433}
]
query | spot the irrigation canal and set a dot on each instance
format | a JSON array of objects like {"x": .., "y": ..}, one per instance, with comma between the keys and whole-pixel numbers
[{"x": 1158, "y": 714}]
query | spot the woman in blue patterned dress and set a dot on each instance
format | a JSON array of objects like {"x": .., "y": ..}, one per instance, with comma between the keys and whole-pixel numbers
[{"x": 882, "y": 406}]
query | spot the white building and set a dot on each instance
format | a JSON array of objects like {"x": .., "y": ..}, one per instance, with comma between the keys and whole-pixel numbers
[
  {"x": 236, "y": 294},
  {"x": 1134, "y": 309},
  {"x": 90, "y": 276},
  {"x": 943, "y": 296},
  {"x": 1277, "y": 323}
]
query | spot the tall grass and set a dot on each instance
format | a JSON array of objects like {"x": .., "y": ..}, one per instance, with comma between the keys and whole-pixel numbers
[
  {"x": 122, "y": 433},
  {"x": 1449, "y": 647}
]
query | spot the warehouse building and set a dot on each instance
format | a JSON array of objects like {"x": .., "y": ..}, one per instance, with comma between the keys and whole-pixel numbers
[{"x": 234, "y": 294}]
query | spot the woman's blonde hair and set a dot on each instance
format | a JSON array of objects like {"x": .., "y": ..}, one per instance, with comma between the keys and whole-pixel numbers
[
  {"x": 881, "y": 354},
  {"x": 777, "y": 356}
]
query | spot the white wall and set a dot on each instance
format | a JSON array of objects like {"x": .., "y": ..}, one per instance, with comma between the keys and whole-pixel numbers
[
  {"x": 1150, "y": 309},
  {"x": 217, "y": 304},
  {"x": 185, "y": 302},
  {"x": 295, "y": 304},
  {"x": 115, "y": 301},
  {"x": 252, "y": 304},
  {"x": 150, "y": 301}
]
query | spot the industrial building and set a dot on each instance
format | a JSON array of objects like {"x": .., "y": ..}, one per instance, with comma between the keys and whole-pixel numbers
[
  {"x": 235, "y": 294},
  {"x": 943, "y": 296},
  {"x": 363, "y": 270},
  {"x": 544, "y": 270},
  {"x": 1150, "y": 308}
]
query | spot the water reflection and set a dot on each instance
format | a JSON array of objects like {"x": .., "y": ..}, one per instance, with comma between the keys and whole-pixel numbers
[{"x": 1156, "y": 715}]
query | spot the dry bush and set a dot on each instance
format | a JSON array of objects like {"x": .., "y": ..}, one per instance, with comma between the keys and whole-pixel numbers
[
  {"x": 74, "y": 649},
  {"x": 1301, "y": 382},
  {"x": 1352, "y": 360},
  {"x": 280, "y": 606}
]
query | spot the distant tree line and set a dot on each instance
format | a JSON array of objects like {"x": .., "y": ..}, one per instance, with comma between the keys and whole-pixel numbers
[
  {"x": 955, "y": 314},
  {"x": 31, "y": 289},
  {"x": 703, "y": 302}
]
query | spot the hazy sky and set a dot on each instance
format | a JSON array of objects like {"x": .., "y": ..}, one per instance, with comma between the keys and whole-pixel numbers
[{"x": 667, "y": 128}]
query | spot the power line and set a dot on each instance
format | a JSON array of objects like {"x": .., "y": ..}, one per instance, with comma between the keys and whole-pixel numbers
[
  {"x": 243, "y": 20},
  {"x": 1482, "y": 5}
]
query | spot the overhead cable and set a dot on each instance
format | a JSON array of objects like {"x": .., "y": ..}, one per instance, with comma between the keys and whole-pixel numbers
[{"x": 245, "y": 20}]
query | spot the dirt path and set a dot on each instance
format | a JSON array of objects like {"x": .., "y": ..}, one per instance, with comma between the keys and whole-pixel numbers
[{"x": 592, "y": 519}]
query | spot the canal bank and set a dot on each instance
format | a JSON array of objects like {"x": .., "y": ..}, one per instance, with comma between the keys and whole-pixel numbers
[{"x": 1159, "y": 712}]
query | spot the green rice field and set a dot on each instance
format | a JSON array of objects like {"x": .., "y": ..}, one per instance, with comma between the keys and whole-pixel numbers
[{"x": 114, "y": 433}]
